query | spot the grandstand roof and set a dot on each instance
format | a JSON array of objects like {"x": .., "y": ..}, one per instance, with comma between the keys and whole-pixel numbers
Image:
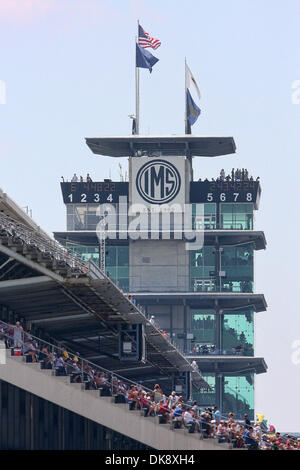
[
  {"x": 75, "y": 303},
  {"x": 9, "y": 207}
]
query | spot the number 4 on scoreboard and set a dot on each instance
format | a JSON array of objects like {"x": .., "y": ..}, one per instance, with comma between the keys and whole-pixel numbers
[{"x": 110, "y": 198}]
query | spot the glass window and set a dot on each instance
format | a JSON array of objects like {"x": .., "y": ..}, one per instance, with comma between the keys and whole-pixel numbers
[
  {"x": 70, "y": 209},
  {"x": 237, "y": 216},
  {"x": 110, "y": 256},
  {"x": 238, "y": 395},
  {"x": 111, "y": 272},
  {"x": 123, "y": 283},
  {"x": 207, "y": 396},
  {"x": 237, "y": 263},
  {"x": 117, "y": 265},
  {"x": 203, "y": 326},
  {"x": 79, "y": 216},
  {"x": 85, "y": 253},
  {"x": 123, "y": 256},
  {"x": 202, "y": 269},
  {"x": 92, "y": 218},
  {"x": 209, "y": 212},
  {"x": 238, "y": 332},
  {"x": 82, "y": 216}
]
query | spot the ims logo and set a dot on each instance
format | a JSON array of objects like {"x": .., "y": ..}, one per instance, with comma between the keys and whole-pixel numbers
[{"x": 158, "y": 182}]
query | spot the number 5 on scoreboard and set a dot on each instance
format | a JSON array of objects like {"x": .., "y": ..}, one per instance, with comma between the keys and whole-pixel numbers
[{"x": 209, "y": 197}]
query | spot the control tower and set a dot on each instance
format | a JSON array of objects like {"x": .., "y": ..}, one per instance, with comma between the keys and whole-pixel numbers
[{"x": 195, "y": 278}]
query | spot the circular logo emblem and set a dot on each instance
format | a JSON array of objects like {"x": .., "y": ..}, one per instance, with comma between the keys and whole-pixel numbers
[{"x": 158, "y": 182}]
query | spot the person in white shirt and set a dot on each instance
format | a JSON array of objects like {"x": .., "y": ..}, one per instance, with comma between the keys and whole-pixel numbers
[
  {"x": 74, "y": 179},
  {"x": 173, "y": 399},
  {"x": 60, "y": 365},
  {"x": 257, "y": 433},
  {"x": 188, "y": 418}
]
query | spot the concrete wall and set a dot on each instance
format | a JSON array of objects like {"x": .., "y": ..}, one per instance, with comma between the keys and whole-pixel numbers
[
  {"x": 58, "y": 390},
  {"x": 158, "y": 266}
]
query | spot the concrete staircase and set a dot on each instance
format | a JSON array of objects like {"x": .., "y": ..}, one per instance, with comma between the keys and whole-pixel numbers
[{"x": 103, "y": 410}]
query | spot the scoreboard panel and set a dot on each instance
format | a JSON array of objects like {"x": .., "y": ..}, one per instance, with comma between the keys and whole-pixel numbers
[
  {"x": 94, "y": 192},
  {"x": 225, "y": 191}
]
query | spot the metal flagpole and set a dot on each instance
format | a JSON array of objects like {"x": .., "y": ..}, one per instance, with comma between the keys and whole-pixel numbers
[
  {"x": 185, "y": 98},
  {"x": 137, "y": 91}
]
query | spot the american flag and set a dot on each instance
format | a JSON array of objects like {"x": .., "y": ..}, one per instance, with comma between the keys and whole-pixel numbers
[{"x": 146, "y": 41}]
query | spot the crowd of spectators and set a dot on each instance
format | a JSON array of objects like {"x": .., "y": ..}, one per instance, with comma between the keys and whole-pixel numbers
[
  {"x": 79, "y": 179},
  {"x": 210, "y": 349},
  {"x": 236, "y": 174},
  {"x": 171, "y": 409},
  {"x": 208, "y": 422}
]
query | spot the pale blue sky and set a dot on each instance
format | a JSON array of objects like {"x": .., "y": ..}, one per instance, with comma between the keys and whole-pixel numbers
[{"x": 68, "y": 66}]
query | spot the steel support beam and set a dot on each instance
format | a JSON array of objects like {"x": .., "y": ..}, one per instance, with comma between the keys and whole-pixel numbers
[
  {"x": 31, "y": 264},
  {"x": 29, "y": 281}
]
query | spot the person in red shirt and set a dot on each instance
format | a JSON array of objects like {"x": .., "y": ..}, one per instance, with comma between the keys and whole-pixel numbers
[{"x": 163, "y": 410}]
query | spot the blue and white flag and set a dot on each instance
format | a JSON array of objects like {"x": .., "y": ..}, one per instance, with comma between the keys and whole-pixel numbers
[
  {"x": 144, "y": 59},
  {"x": 192, "y": 110},
  {"x": 190, "y": 80}
]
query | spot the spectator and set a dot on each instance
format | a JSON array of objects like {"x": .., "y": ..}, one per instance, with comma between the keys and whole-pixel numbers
[
  {"x": 163, "y": 410},
  {"x": 246, "y": 420},
  {"x": 88, "y": 178},
  {"x": 222, "y": 431},
  {"x": 131, "y": 299},
  {"x": 59, "y": 364},
  {"x": 172, "y": 400},
  {"x": 177, "y": 414},
  {"x": 47, "y": 357},
  {"x": 217, "y": 415},
  {"x": 231, "y": 421},
  {"x": 157, "y": 393},
  {"x": 18, "y": 335},
  {"x": 65, "y": 354},
  {"x": 30, "y": 350},
  {"x": 76, "y": 357},
  {"x": 188, "y": 419},
  {"x": 195, "y": 409},
  {"x": 249, "y": 439},
  {"x": 74, "y": 178}
]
